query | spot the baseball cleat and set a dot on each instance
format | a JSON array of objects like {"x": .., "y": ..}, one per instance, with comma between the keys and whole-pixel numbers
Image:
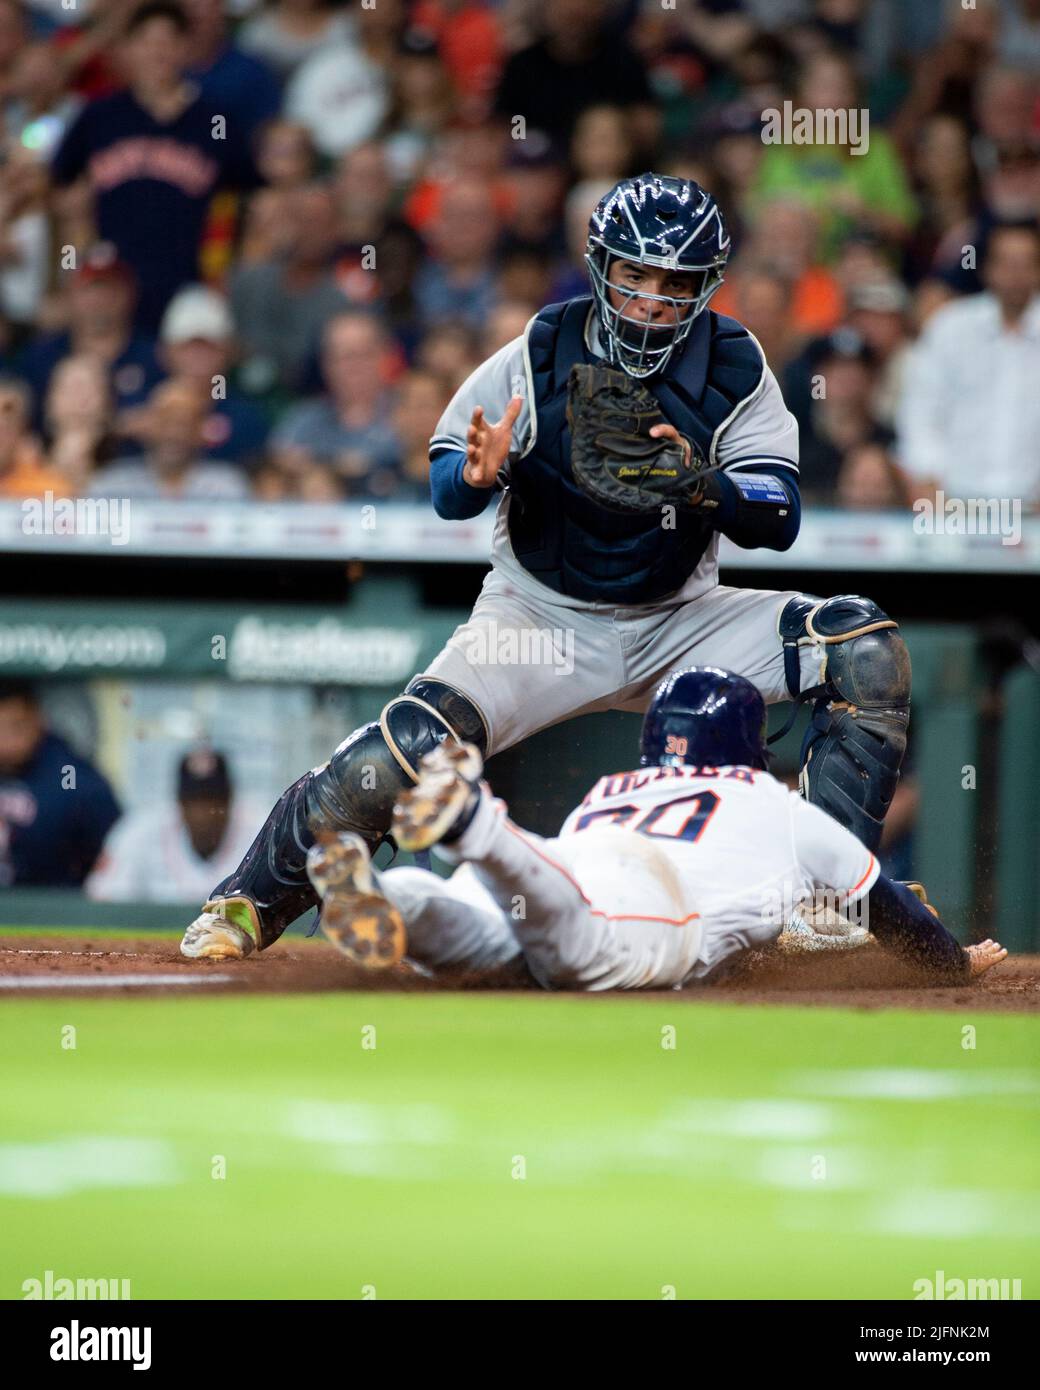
[
  {"x": 355, "y": 916},
  {"x": 440, "y": 804},
  {"x": 213, "y": 937}
]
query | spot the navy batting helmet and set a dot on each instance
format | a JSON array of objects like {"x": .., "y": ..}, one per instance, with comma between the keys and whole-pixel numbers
[
  {"x": 704, "y": 717},
  {"x": 655, "y": 220}
]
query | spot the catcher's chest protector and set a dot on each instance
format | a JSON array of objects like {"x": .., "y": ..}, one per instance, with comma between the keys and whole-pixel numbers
[{"x": 562, "y": 536}]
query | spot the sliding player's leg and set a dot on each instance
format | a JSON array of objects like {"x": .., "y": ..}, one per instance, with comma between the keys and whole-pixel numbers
[{"x": 450, "y": 923}]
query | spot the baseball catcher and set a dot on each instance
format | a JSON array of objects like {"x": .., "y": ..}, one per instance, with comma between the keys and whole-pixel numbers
[
  {"x": 619, "y": 437},
  {"x": 657, "y": 878}
]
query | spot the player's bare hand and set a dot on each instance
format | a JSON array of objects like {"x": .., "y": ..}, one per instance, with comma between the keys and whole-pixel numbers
[
  {"x": 487, "y": 445},
  {"x": 670, "y": 432},
  {"x": 984, "y": 956}
]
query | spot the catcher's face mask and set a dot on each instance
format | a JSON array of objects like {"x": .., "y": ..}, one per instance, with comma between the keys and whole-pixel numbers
[{"x": 669, "y": 223}]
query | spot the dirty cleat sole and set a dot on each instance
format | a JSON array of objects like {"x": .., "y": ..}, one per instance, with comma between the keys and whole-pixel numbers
[
  {"x": 355, "y": 916},
  {"x": 447, "y": 788}
]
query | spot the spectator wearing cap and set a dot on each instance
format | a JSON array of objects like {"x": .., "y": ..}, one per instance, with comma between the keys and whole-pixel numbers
[
  {"x": 281, "y": 306},
  {"x": 579, "y": 62},
  {"x": 173, "y": 851},
  {"x": 836, "y": 379},
  {"x": 23, "y": 470},
  {"x": 55, "y": 807},
  {"x": 346, "y": 432},
  {"x": 969, "y": 415},
  {"x": 197, "y": 345},
  {"x": 535, "y": 178},
  {"x": 174, "y": 465},
  {"x": 149, "y": 156},
  {"x": 99, "y": 302},
  {"x": 878, "y": 312}
]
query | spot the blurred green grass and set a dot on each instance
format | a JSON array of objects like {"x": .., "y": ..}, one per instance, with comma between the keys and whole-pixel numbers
[{"x": 791, "y": 1153}]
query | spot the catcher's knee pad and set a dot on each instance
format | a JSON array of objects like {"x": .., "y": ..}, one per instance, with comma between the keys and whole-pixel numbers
[
  {"x": 856, "y": 740},
  {"x": 357, "y": 787},
  {"x": 466, "y": 720}
]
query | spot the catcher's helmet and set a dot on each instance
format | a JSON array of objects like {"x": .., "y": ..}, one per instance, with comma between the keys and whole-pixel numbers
[
  {"x": 704, "y": 717},
  {"x": 660, "y": 221}
]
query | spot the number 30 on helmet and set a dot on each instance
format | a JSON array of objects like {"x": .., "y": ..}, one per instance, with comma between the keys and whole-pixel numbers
[{"x": 704, "y": 717}]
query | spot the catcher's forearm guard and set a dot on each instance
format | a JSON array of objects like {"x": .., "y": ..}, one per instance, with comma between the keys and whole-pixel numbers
[
  {"x": 855, "y": 744},
  {"x": 752, "y": 510}
]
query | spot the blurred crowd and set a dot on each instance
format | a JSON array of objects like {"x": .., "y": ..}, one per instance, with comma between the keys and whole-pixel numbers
[
  {"x": 250, "y": 248},
  {"x": 173, "y": 850}
]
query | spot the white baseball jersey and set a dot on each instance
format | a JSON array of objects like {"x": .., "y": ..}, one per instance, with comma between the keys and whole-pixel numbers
[
  {"x": 149, "y": 857},
  {"x": 655, "y": 879},
  {"x": 725, "y": 854}
]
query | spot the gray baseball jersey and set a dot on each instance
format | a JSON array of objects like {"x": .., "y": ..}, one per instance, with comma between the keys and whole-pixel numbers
[{"x": 530, "y": 657}]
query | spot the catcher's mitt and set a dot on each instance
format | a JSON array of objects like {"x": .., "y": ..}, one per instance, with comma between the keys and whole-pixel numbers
[{"x": 613, "y": 455}]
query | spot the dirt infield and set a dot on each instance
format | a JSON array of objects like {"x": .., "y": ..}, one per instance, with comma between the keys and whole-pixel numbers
[{"x": 866, "y": 978}]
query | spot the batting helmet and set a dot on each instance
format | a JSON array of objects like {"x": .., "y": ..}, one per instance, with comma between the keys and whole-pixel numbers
[
  {"x": 656, "y": 220},
  {"x": 704, "y": 717}
]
